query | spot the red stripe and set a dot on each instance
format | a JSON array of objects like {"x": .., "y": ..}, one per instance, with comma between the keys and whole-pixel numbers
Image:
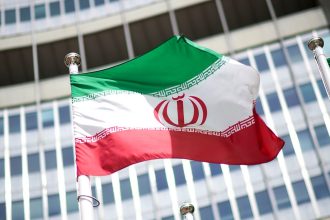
[{"x": 253, "y": 145}]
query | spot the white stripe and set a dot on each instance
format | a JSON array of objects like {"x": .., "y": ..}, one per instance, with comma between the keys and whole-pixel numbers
[{"x": 8, "y": 197}]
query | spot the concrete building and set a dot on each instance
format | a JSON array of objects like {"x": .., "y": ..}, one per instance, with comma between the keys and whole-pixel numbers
[{"x": 37, "y": 174}]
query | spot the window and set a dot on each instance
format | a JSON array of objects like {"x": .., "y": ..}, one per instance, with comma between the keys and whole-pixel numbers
[
  {"x": 2, "y": 211},
  {"x": 16, "y": 165},
  {"x": 107, "y": 192},
  {"x": 54, "y": 9},
  {"x": 225, "y": 211},
  {"x": 233, "y": 168},
  {"x": 54, "y": 205},
  {"x": 322, "y": 88},
  {"x": 263, "y": 202},
  {"x": 168, "y": 218},
  {"x": 69, "y": 6},
  {"x": 282, "y": 198},
  {"x": 14, "y": 124},
  {"x": 40, "y": 11},
  {"x": 320, "y": 187},
  {"x": 206, "y": 213},
  {"x": 179, "y": 175},
  {"x": 31, "y": 121},
  {"x": 65, "y": 116},
  {"x": 25, "y": 14},
  {"x": 278, "y": 58},
  {"x": 1, "y": 126},
  {"x": 84, "y": 4},
  {"x": 10, "y": 16},
  {"x": 17, "y": 210},
  {"x": 197, "y": 170},
  {"x": 305, "y": 140},
  {"x": 261, "y": 62},
  {"x": 300, "y": 192},
  {"x": 161, "y": 180},
  {"x": 291, "y": 97},
  {"x": 71, "y": 201},
  {"x": 288, "y": 148},
  {"x": 259, "y": 108},
  {"x": 273, "y": 102},
  {"x": 245, "y": 61},
  {"x": 307, "y": 92},
  {"x": 47, "y": 118},
  {"x": 144, "y": 184},
  {"x": 244, "y": 207},
  {"x": 33, "y": 163},
  {"x": 50, "y": 157},
  {"x": 99, "y": 2},
  {"x": 68, "y": 157},
  {"x": 36, "y": 210},
  {"x": 2, "y": 168},
  {"x": 294, "y": 53},
  {"x": 322, "y": 135},
  {"x": 215, "y": 169},
  {"x": 125, "y": 189}
]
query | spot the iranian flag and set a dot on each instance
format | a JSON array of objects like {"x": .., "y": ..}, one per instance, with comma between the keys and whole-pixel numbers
[{"x": 179, "y": 100}]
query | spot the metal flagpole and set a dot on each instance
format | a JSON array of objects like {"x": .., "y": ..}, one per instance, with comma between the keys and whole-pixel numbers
[
  {"x": 187, "y": 210},
  {"x": 316, "y": 45},
  {"x": 85, "y": 198}
]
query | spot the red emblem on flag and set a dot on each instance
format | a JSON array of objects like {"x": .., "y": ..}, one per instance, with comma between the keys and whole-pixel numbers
[{"x": 189, "y": 110}]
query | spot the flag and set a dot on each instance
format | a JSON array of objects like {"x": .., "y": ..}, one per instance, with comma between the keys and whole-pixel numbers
[
  {"x": 179, "y": 100},
  {"x": 328, "y": 59}
]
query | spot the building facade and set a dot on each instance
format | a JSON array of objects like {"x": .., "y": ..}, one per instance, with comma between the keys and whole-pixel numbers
[{"x": 37, "y": 173}]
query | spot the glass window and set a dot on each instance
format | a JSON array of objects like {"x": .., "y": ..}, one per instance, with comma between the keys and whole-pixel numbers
[
  {"x": 50, "y": 157},
  {"x": 320, "y": 187},
  {"x": 288, "y": 148},
  {"x": 322, "y": 89},
  {"x": 36, "y": 208},
  {"x": 71, "y": 201},
  {"x": 305, "y": 140},
  {"x": 47, "y": 118},
  {"x": 225, "y": 211},
  {"x": 144, "y": 184},
  {"x": 179, "y": 175},
  {"x": 69, "y": 6},
  {"x": 54, "y": 9},
  {"x": 54, "y": 205},
  {"x": 17, "y": 210},
  {"x": 2, "y": 211},
  {"x": 282, "y": 198},
  {"x": 125, "y": 189},
  {"x": 261, "y": 62},
  {"x": 68, "y": 157},
  {"x": 107, "y": 192},
  {"x": 273, "y": 102},
  {"x": 16, "y": 165},
  {"x": 307, "y": 92},
  {"x": 33, "y": 163},
  {"x": 168, "y": 218},
  {"x": 215, "y": 169},
  {"x": 99, "y": 2},
  {"x": 322, "y": 135},
  {"x": 2, "y": 168},
  {"x": 206, "y": 213},
  {"x": 233, "y": 168},
  {"x": 1, "y": 126},
  {"x": 197, "y": 170},
  {"x": 263, "y": 202},
  {"x": 259, "y": 108},
  {"x": 278, "y": 58},
  {"x": 244, "y": 207},
  {"x": 161, "y": 179},
  {"x": 14, "y": 124},
  {"x": 300, "y": 192},
  {"x": 294, "y": 53},
  {"x": 245, "y": 61},
  {"x": 31, "y": 121},
  {"x": 40, "y": 11},
  {"x": 25, "y": 14},
  {"x": 291, "y": 97},
  {"x": 84, "y": 4},
  {"x": 65, "y": 116},
  {"x": 10, "y": 16}
]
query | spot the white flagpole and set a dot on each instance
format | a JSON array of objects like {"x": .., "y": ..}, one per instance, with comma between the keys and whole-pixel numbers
[
  {"x": 85, "y": 199},
  {"x": 187, "y": 210},
  {"x": 316, "y": 45}
]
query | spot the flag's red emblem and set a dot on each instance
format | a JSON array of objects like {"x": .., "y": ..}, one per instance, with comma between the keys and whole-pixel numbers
[{"x": 189, "y": 111}]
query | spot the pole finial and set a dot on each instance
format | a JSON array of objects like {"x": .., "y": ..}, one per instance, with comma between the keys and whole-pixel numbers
[
  {"x": 72, "y": 58},
  {"x": 187, "y": 207},
  {"x": 315, "y": 42}
]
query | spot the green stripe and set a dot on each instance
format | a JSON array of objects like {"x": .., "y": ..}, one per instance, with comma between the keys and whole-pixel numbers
[{"x": 170, "y": 64}]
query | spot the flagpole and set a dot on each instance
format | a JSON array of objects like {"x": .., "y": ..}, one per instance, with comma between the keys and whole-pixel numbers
[
  {"x": 85, "y": 199},
  {"x": 316, "y": 45},
  {"x": 187, "y": 210}
]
